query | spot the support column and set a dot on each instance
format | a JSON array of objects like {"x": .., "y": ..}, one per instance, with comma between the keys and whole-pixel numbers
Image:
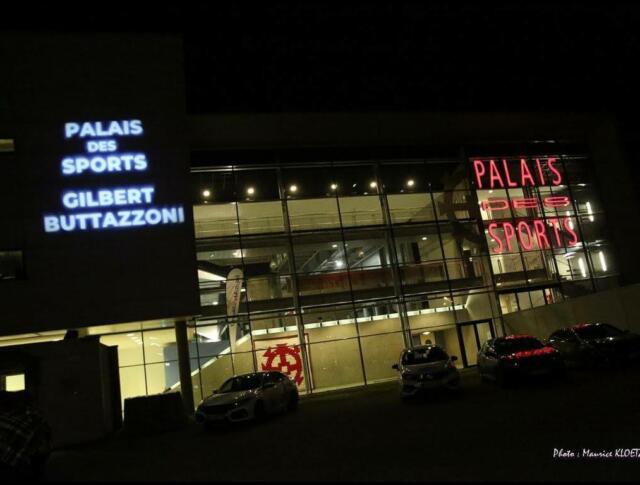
[
  {"x": 186, "y": 385},
  {"x": 294, "y": 285},
  {"x": 393, "y": 254}
]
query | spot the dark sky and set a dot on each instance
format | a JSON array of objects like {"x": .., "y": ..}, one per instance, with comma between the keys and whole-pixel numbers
[{"x": 383, "y": 55}]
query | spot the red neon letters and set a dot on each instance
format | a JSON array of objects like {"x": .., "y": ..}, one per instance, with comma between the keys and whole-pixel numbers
[
  {"x": 532, "y": 234},
  {"x": 524, "y": 203},
  {"x": 500, "y": 174}
]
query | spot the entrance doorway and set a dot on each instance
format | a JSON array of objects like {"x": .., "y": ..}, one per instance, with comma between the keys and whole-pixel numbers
[{"x": 471, "y": 336}]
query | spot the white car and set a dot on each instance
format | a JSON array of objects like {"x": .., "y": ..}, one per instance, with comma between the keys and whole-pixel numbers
[
  {"x": 249, "y": 396},
  {"x": 426, "y": 367}
]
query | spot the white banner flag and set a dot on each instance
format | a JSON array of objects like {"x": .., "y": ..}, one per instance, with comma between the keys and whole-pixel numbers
[{"x": 234, "y": 287}]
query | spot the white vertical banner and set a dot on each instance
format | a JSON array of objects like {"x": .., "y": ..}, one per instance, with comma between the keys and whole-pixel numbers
[{"x": 233, "y": 292}]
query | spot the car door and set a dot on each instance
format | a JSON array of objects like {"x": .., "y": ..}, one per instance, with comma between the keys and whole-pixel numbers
[
  {"x": 284, "y": 389},
  {"x": 271, "y": 391}
]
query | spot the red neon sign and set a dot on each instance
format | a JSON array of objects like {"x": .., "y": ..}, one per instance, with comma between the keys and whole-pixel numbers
[
  {"x": 540, "y": 233},
  {"x": 530, "y": 233},
  {"x": 498, "y": 174},
  {"x": 524, "y": 203}
]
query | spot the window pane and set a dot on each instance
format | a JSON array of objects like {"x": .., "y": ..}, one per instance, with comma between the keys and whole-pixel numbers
[
  {"x": 602, "y": 260},
  {"x": 430, "y": 311},
  {"x": 215, "y": 220},
  {"x": 257, "y": 185},
  {"x": 158, "y": 345},
  {"x": 330, "y": 322},
  {"x": 404, "y": 178},
  {"x": 336, "y": 364},
  {"x": 129, "y": 347},
  {"x": 132, "y": 382},
  {"x": 260, "y": 217},
  {"x": 447, "y": 175},
  {"x": 309, "y": 214},
  {"x": 213, "y": 372},
  {"x": 360, "y": 210},
  {"x": 213, "y": 187},
  {"x": 455, "y": 205},
  {"x": 161, "y": 376},
  {"x": 416, "y": 244},
  {"x": 379, "y": 353},
  {"x": 6, "y": 145},
  {"x": 416, "y": 207},
  {"x": 10, "y": 265}
]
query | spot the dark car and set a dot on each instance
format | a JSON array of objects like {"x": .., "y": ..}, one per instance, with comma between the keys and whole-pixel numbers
[
  {"x": 595, "y": 344},
  {"x": 508, "y": 359}
]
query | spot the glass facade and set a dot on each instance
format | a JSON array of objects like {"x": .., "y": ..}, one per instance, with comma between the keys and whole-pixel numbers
[{"x": 345, "y": 264}]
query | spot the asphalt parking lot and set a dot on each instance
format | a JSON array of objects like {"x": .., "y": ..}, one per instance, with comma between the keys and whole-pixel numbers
[{"x": 486, "y": 433}]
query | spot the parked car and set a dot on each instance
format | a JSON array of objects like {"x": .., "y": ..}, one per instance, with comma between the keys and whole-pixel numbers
[
  {"x": 426, "y": 368},
  {"x": 507, "y": 359},
  {"x": 25, "y": 438},
  {"x": 249, "y": 396},
  {"x": 596, "y": 344}
]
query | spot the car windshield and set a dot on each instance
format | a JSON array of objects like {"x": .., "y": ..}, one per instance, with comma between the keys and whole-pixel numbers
[
  {"x": 591, "y": 332},
  {"x": 242, "y": 383},
  {"x": 423, "y": 356},
  {"x": 510, "y": 345}
]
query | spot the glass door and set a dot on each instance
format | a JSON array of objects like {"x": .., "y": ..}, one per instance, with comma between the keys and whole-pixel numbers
[{"x": 471, "y": 336}]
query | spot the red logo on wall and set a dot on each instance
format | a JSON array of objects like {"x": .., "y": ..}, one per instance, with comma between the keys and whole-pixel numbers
[{"x": 286, "y": 359}]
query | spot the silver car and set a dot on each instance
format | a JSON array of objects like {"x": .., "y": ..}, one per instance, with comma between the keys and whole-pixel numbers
[
  {"x": 249, "y": 396},
  {"x": 426, "y": 367}
]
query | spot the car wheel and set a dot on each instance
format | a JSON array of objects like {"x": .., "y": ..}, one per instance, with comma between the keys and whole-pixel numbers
[
  {"x": 292, "y": 404},
  {"x": 259, "y": 411}
]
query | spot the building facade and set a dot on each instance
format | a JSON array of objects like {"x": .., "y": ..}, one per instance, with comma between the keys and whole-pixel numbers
[{"x": 320, "y": 245}]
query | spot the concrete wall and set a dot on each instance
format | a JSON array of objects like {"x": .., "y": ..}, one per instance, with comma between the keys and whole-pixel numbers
[{"x": 618, "y": 306}]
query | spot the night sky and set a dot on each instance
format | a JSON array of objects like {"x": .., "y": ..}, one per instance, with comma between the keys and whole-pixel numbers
[{"x": 388, "y": 55}]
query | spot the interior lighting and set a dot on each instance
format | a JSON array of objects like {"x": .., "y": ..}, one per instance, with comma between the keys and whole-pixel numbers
[
  {"x": 293, "y": 189},
  {"x": 589, "y": 211},
  {"x": 373, "y": 185},
  {"x": 251, "y": 191},
  {"x": 583, "y": 270},
  {"x": 206, "y": 193},
  {"x": 603, "y": 263},
  {"x": 339, "y": 264},
  {"x": 410, "y": 183}
]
